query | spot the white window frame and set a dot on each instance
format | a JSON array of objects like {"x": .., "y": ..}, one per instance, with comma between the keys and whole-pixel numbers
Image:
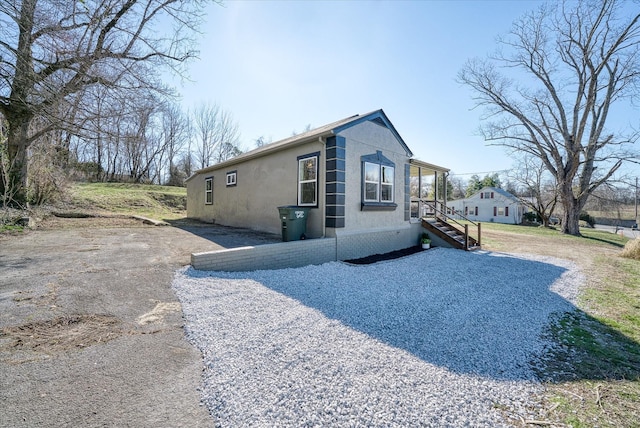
[
  {"x": 387, "y": 184},
  {"x": 375, "y": 182},
  {"x": 232, "y": 178},
  {"x": 500, "y": 212},
  {"x": 302, "y": 182},
  {"x": 208, "y": 191},
  {"x": 379, "y": 182}
]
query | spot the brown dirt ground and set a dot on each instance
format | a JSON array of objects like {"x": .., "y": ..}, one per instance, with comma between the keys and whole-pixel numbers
[{"x": 90, "y": 330}]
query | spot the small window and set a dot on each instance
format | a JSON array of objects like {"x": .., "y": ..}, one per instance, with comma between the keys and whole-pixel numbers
[
  {"x": 308, "y": 181},
  {"x": 500, "y": 211},
  {"x": 208, "y": 190},
  {"x": 231, "y": 178}
]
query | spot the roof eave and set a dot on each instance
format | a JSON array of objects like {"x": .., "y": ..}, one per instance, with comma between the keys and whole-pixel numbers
[
  {"x": 373, "y": 115},
  {"x": 258, "y": 154}
]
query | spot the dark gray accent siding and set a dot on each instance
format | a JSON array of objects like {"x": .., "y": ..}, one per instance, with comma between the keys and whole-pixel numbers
[{"x": 335, "y": 182}]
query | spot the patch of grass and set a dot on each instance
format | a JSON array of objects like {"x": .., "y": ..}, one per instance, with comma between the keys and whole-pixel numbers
[
  {"x": 600, "y": 236},
  {"x": 159, "y": 202},
  {"x": 11, "y": 228},
  {"x": 616, "y": 299},
  {"x": 586, "y": 348},
  {"x": 604, "y": 237},
  {"x": 519, "y": 229}
]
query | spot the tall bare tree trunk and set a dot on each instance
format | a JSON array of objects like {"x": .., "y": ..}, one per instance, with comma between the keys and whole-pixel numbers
[
  {"x": 17, "y": 150},
  {"x": 571, "y": 216}
]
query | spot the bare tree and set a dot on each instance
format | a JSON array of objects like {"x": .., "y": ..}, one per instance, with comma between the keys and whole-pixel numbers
[
  {"x": 578, "y": 60},
  {"x": 205, "y": 124},
  {"x": 216, "y": 133},
  {"x": 50, "y": 51},
  {"x": 175, "y": 131},
  {"x": 262, "y": 141},
  {"x": 459, "y": 187},
  {"x": 538, "y": 189},
  {"x": 228, "y": 138}
]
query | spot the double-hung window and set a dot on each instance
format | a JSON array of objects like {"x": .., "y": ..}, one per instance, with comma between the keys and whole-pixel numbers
[
  {"x": 208, "y": 190},
  {"x": 378, "y": 182},
  {"x": 308, "y": 180}
]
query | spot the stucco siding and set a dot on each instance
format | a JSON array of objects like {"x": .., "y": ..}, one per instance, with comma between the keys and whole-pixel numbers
[
  {"x": 263, "y": 184},
  {"x": 365, "y": 139}
]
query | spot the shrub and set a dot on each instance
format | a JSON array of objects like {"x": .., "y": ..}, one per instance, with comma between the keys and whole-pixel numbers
[
  {"x": 584, "y": 216},
  {"x": 47, "y": 180},
  {"x": 632, "y": 249},
  {"x": 532, "y": 217}
]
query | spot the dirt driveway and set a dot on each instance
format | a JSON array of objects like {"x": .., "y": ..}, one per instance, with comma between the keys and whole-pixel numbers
[{"x": 90, "y": 331}]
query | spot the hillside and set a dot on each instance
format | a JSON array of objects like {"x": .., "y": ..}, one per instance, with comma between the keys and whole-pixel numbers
[
  {"x": 105, "y": 200},
  {"x": 158, "y": 202}
]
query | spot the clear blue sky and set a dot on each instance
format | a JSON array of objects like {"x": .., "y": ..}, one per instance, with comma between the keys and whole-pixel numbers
[{"x": 278, "y": 66}]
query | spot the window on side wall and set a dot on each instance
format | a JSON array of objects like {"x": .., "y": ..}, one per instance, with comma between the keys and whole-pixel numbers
[
  {"x": 378, "y": 183},
  {"x": 208, "y": 190},
  {"x": 308, "y": 180},
  {"x": 231, "y": 178}
]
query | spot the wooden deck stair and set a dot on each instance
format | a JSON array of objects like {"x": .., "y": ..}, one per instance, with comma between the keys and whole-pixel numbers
[{"x": 451, "y": 234}]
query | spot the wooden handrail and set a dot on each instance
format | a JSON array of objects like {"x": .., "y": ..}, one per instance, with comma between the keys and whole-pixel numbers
[{"x": 447, "y": 218}]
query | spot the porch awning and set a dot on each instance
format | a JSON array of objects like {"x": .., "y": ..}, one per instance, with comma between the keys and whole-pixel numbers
[{"x": 429, "y": 166}]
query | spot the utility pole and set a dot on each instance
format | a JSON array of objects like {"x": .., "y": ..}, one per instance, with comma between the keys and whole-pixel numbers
[{"x": 636, "y": 201}]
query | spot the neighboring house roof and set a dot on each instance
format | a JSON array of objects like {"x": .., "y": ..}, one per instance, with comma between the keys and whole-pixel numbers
[
  {"x": 377, "y": 116},
  {"x": 495, "y": 190}
]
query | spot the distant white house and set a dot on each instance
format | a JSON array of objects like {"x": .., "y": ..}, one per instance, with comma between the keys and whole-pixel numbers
[{"x": 490, "y": 204}]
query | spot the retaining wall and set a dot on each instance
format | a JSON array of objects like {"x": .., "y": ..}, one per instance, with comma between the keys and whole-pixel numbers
[
  {"x": 269, "y": 256},
  {"x": 282, "y": 255}
]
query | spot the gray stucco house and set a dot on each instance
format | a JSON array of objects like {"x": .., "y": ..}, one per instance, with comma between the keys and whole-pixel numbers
[{"x": 356, "y": 176}]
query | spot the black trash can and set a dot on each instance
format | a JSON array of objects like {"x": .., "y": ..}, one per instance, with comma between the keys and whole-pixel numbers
[{"x": 294, "y": 222}]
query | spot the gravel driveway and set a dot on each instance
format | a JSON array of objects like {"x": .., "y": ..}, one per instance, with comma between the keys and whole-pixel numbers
[{"x": 440, "y": 338}]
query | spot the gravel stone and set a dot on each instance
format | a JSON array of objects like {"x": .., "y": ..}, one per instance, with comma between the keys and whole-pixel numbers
[{"x": 440, "y": 338}]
